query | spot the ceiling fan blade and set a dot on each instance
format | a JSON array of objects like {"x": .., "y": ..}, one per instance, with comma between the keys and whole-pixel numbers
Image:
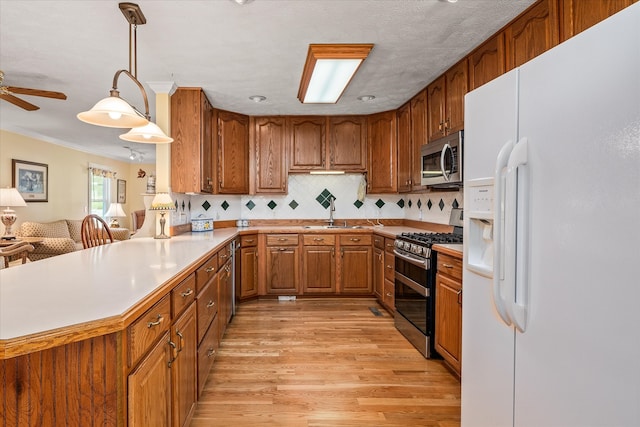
[
  {"x": 37, "y": 92},
  {"x": 19, "y": 102}
]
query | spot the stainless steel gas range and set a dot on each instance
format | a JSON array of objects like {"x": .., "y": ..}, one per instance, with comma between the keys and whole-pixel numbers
[{"x": 415, "y": 270}]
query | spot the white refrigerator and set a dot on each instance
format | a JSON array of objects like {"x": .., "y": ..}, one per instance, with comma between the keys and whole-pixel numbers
[{"x": 551, "y": 280}]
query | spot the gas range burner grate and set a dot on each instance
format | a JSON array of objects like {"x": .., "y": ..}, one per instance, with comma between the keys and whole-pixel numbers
[{"x": 432, "y": 238}]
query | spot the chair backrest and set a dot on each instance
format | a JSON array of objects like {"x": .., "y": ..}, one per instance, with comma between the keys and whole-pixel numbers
[
  {"x": 137, "y": 218},
  {"x": 19, "y": 248},
  {"x": 95, "y": 232}
]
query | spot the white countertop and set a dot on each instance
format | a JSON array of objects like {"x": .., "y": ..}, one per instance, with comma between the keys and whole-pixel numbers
[{"x": 96, "y": 283}]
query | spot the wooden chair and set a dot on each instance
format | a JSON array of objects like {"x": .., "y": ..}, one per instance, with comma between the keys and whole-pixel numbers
[
  {"x": 20, "y": 249},
  {"x": 95, "y": 232}
]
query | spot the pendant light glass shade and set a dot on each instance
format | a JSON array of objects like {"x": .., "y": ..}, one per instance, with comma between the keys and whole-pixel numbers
[
  {"x": 147, "y": 134},
  {"x": 113, "y": 112}
]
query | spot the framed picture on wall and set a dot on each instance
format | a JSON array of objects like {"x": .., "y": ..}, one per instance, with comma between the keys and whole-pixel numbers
[
  {"x": 31, "y": 180},
  {"x": 122, "y": 191}
]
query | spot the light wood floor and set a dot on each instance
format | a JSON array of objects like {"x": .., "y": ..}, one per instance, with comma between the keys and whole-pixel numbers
[{"x": 323, "y": 362}]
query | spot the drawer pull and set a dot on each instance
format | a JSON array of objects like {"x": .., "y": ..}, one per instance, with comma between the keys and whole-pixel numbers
[
  {"x": 156, "y": 323},
  {"x": 459, "y": 294},
  {"x": 390, "y": 267},
  {"x": 282, "y": 239},
  {"x": 355, "y": 239},
  {"x": 178, "y": 333},
  {"x": 223, "y": 256},
  {"x": 447, "y": 265},
  {"x": 389, "y": 294},
  {"x": 318, "y": 239},
  {"x": 211, "y": 352},
  {"x": 173, "y": 346},
  {"x": 282, "y": 249},
  {"x": 188, "y": 292},
  {"x": 211, "y": 304},
  {"x": 249, "y": 241},
  {"x": 209, "y": 269}
]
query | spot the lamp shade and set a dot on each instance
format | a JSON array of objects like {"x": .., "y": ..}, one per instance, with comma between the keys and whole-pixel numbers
[
  {"x": 113, "y": 112},
  {"x": 147, "y": 134},
  {"x": 11, "y": 197},
  {"x": 115, "y": 211},
  {"x": 162, "y": 202}
]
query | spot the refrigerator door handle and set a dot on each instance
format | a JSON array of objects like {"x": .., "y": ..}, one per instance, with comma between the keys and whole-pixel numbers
[
  {"x": 442, "y": 156},
  {"x": 516, "y": 277},
  {"x": 498, "y": 232}
]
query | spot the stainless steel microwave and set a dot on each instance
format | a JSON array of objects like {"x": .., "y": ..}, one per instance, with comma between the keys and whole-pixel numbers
[{"x": 442, "y": 162}]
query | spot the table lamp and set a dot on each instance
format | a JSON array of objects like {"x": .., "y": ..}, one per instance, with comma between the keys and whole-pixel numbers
[
  {"x": 115, "y": 211},
  {"x": 162, "y": 203},
  {"x": 9, "y": 197}
]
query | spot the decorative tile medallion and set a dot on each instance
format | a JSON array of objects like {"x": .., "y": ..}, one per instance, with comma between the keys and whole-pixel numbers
[
  {"x": 401, "y": 203},
  {"x": 380, "y": 203},
  {"x": 272, "y": 205},
  {"x": 206, "y": 205},
  {"x": 293, "y": 204},
  {"x": 250, "y": 204},
  {"x": 225, "y": 205},
  {"x": 441, "y": 204},
  {"x": 358, "y": 204},
  {"x": 324, "y": 197},
  {"x": 455, "y": 204}
]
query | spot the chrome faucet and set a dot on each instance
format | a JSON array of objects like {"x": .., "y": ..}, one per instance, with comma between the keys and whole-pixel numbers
[{"x": 332, "y": 208}]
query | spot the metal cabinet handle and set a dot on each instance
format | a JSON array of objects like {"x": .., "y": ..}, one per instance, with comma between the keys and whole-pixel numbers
[
  {"x": 390, "y": 266},
  {"x": 318, "y": 239},
  {"x": 249, "y": 240},
  {"x": 178, "y": 333},
  {"x": 156, "y": 323},
  {"x": 389, "y": 294},
  {"x": 188, "y": 292},
  {"x": 173, "y": 345},
  {"x": 282, "y": 249},
  {"x": 355, "y": 239},
  {"x": 211, "y": 352},
  {"x": 282, "y": 239},
  {"x": 209, "y": 269},
  {"x": 223, "y": 256},
  {"x": 211, "y": 304},
  {"x": 459, "y": 295},
  {"x": 447, "y": 265}
]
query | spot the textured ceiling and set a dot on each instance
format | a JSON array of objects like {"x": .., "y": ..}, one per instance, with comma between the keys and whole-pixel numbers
[{"x": 232, "y": 51}]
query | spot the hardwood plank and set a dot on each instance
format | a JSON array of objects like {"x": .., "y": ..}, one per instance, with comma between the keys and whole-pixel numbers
[{"x": 323, "y": 362}]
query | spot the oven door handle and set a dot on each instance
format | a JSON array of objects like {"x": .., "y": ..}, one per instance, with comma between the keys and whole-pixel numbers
[
  {"x": 413, "y": 285},
  {"x": 419, "y": 263}
]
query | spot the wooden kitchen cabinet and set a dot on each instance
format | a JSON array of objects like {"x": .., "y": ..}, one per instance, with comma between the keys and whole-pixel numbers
[
  {"x": 448, "y": 333},
  {"x": 418, "y": 137},
  {"x": 487, "y": 61},
  {"x": 445, "y": 101},
  {"x": 355, "y": 264},
  {"x": 382, "y": 146},
  {"x": 348, "y": 143},
  {"x": 225, "y": 297},
  {"x": 271, "y": 140},
  {"x": 232, "y": 142},
  {"x": 319, "y": 264},
  {"x": 404, "y": 148},
  {"x": 184, "y": 370},
  {"x": 192, "y": 164},
  {"x": 307, "y": 147},
  {"x": 532, "y": 33},
  {"x": 378, "y": 267},
  {"x": 248, "y": 286},
  {"x": 578, "y": 15},
  {"x": 282, "y": 259}
]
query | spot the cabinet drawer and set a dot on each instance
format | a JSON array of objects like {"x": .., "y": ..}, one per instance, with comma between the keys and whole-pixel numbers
[
  {"x": 206, "y": 353},
  {"x": 355, "y": 239},
  {"x": 389, "y": 245},
  {"x": 224, "y": 254},
  {"x": 319, "y": 239},
  {"x": 282, "y": 239},
  {"x": 450, "y": 266},
  {"x": 183, "y": 295},
  {"x": 142, "y": 333},
  {"x": 248, "y": 241},
  {"x": 378, "y": 242},
  {"x": 206, "y": 272},
  {"x": 389, "y": 266},
  {"x": 388, "y": 296},
  {"x": 207, "y": 307}
]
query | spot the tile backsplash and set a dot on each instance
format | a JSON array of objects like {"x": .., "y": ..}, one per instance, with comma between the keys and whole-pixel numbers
[{"x": 308, "y": 198}]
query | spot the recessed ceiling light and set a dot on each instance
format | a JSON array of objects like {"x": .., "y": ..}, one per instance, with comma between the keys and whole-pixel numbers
[
  {"x": 257, "y": 98},
  {"x": 365, "y": 98}
]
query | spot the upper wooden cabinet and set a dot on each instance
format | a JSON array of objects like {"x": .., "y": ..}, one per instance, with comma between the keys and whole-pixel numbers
[
  {"x": 191, "y": 158},
  {"x": 445, "y": 102},
  {"x": 307, "y": 148},
  {"x": 232, "y": 141},
  {"x": 418, "y": 137},
  {"x": 532, "y": 33},
  {"x": 270, "y": 139},
  {"x": 404, "y": 148},
  {"x": 487, "y": 61},
  {"x": 347, "y": 143},
  {"x": 578, "y": 15},
  {"x": 381, "y": 132}
]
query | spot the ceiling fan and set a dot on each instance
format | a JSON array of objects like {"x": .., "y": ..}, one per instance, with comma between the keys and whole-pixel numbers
[{"x": 7, "y": 93}]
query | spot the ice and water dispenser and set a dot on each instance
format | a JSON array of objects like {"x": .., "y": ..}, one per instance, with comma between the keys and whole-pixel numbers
[{"x": 479, "y": 213}]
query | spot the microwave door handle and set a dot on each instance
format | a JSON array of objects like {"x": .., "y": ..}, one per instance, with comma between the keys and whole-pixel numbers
[{"x": 443, "y": 153}]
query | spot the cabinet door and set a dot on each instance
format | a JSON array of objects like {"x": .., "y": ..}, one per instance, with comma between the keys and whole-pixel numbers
[
  {"x": 206, "y": 145},
  {"x": 418, "y": 137},
  {"x": 347, "y": 143},
  {"x": 248, "y": 272},
  {"x": 404, "y": 148},
  {"x": 149, "y": 388},
  {"x": 487, "y": 61},
  {"x": 225, "y": 297},
  {"x": 307, "y": 143},
  {"x": 378, "y": 274},
  {"x": 456, "y": 88},
  {"x": 382, "y": 173},
  {"x": 435, "y": 109},
  {"x": 533, "y": 33},
  {"x": 318, "y": 269},
  {"x": 233, "y": 152},
  {"x": 270, "y": 136},
  {"x": 449, "y": 320},
  {"x": 184, "y": 368},
  {"x": 356, "y": 270},
  {"x": 578, "y": 15},
  {"x": 282, "y": 270}
]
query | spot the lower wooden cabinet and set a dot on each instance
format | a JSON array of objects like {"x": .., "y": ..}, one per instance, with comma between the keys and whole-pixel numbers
[
  {"x": 378, "y": 273},
  {"x": 248, "y": 284},
  {"x": 207, "y": 351},
  {"x": 448, "y": 333},
  {"x": 355, "y": 264},
  {"x": 184, "y": 367},
  {"x": 282, "y": 259},
  {"x": 319, "y": 264}
]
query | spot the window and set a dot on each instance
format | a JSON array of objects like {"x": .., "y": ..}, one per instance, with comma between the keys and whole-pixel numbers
[{"x": 99, "y": 189}]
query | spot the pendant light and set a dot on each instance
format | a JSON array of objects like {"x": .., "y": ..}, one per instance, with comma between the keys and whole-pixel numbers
[{"x": 114, "y": 111}]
